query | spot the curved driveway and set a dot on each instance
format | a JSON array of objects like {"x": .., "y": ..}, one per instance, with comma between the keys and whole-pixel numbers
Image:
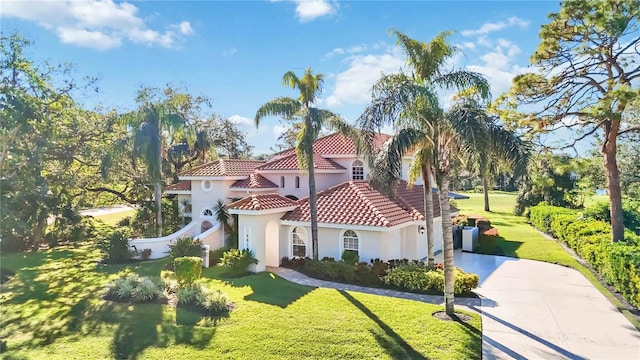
[{"x": 536, "y": 310}]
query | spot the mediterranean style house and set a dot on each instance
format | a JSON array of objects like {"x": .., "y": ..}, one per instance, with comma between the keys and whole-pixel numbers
[{"x": 273, "y": 210}]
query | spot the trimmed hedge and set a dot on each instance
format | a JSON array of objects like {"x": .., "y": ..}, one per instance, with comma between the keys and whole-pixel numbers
[
  {"x": 188, "y": 269},
  {"x": 416, "y": 277},
  {"x": 618, "y": 263}
]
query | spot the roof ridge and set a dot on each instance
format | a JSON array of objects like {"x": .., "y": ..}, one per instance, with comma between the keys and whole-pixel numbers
[{"x": 368, "y": 201}]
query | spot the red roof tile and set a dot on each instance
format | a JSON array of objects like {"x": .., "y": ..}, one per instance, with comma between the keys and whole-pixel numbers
[
  {"x": 225, "y": 167},
  {"x": 353, "y": 203},
  {"x": 262, "y": 202},
  {"x": 254, "y": 181},
  {"x": 290, "y": 162},
  {"x": 334, "y": 144},
  {"x": 181, "y": 186}
]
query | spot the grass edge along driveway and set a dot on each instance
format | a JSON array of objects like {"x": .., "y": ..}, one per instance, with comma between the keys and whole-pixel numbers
[{"x": 518, "y": 239}]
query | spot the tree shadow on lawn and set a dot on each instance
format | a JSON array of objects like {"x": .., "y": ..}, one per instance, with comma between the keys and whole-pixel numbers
[
  {"x": 497, "y": 245},
  {"x": 390, "y": 341},
  {"x": 271, "y": 289}
]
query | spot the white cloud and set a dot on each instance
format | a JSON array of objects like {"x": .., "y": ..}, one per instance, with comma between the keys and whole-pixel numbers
[
  {"x": 490, "y": 27},
  {"x": 97, "y": 24},
  {"x": 308, "y": 10},
  {"x": 469, "y": 45},
  {"x": 241, "y": 120},
  {"x": 352, "y": 50},
  {"x": 279, "y": 130},
  {"x": 498, "y": 66},
  {"x": 354, "y": 84},
  {"x": 229, "y": 52},
  {"x": 334, "y": 52}
]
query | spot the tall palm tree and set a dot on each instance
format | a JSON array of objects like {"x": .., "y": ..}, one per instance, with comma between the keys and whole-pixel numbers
[
  {"x": 148, "y": 125},
  {"x": 312, "y": 120}
]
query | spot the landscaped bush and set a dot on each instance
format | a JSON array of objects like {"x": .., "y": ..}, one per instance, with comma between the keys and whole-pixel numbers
[
  {"x": 630, "y": 213},
  {"x": 188, "y": 269},
  {"x": 186, "y": 246},
  {"x": 350, "y": 257},
  {"x": 209, "y": 302},
  {"x": 618, "y": 263},
  {"x": 115, "y": 247},
  {"x": 145, "y": 254},
  {"x": 216, "y": 255},
  {"x": 132, "y": 287},
  {"x": 237, "y": 261},
  {"x": 415, "y": 277}
]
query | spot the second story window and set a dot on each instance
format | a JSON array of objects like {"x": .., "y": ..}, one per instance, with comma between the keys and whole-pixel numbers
[
  {"x": 297, "y": 182},
  {"x": 282, "y": 181},
  {"x": 357, "y": 170}
]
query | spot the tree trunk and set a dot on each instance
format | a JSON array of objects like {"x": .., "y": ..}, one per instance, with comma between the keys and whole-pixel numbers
[
  {"x": 157, "y": 194},
  {"x": 613, "y": 181},
  {"x": 485, "y": 190},
  {"x": 445, "y": 210},
  {"x": 428, "y": 210},
  {"x": 313, "y": 207}
]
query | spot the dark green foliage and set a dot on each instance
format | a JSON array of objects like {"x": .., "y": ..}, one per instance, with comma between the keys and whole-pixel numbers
[
  {"x": 188, "y": 269},
  {"x": 339, "y": 271},
  {"x": 143, "y": 224},
  {"x": 115, "y": 247},
  {"x": 415, "y": 277},
  {"x": 5, "y": 275},
  {"x": 145, "y": 254},
  {"x": 630, "y": 212},
  {"x": 550, "y": 178},
  {"x": 618, "y": 263},
  {"x": 237, "y": 261},
  {"x": 350, "y": 256},
  {"x": 216, "y": 255},
  {"x": 206, "y": 301},
  {"x": 186, "y": 246}
]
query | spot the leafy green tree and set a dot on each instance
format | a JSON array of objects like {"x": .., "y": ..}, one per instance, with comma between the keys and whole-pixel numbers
[
  {"x": 588, "y": 62},
  {"x": 312, "y": 120},
  {"x": 159, "y": 115}
]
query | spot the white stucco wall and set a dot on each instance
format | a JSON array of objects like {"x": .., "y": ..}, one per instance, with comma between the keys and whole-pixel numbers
[{"x": 255, "y": 227}]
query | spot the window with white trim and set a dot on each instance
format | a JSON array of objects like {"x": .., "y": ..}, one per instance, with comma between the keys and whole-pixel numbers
[
  {"x": 207, "y": 212},
  {"x": 298, "y": 241},
  {"x": 357, "y": 170},
  {"x": 350, "y": 240}
]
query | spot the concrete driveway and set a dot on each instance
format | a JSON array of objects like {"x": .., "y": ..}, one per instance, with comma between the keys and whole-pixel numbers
[{"x": 536, "y": 310}]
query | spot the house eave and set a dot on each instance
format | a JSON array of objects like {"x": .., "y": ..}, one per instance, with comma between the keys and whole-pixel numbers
[
  {"x": 262, "y": 212},
  {"x": 243, "y": 177},
  {"x": 348, "y": 226}
]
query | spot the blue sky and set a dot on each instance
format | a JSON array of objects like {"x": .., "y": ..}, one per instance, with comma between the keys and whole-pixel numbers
[{"x": 236, "y": 51}]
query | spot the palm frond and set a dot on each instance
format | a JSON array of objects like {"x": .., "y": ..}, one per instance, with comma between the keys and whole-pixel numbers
[
  {"x": 462, "y": 79},
  {"x": 285, "y": 107},
  {"x": 387, "y": 163}
]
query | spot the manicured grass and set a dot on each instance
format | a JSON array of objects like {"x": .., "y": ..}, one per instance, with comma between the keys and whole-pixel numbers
[
  {"x": 113, "y": 218},
  {"x": 52, "y": 309},
  {"x": 594, "y": 199},
  {"x": 519, "y": 239}
]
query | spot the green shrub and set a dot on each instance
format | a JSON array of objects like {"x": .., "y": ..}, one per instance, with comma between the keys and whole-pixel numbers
[
  {"x": 169, "y": 281},
  {"x": 186, "y": 246},
  {"x": 145, "y": 254},
  {"x": 339, "y": 271},
  {"x": 237, "y": 261},
  {"x": 188, "y": 269},
  {"x": 350, "y": 257},
  {"x": 216, "y": 255},
  {"x": 630, "y": 213},
  {"x": 209, "y": 302},
  {"x": 415, "y": 277},
  {"x": 132, "y": 287},
  {"x": 115, "y": 247}
]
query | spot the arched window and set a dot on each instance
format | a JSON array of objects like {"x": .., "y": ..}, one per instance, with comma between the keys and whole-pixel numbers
[
  {"x": 350, "y": 240},
  {"x": 207, "y": 213},
  {"x": 282, "y": 181},
  {"x": 298, "y": 241},
  {"x": 297, "y": 182},
  {"x": 357, "y": 170}
]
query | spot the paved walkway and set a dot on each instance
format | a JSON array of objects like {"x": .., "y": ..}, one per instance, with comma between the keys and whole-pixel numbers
[{"x": 530, "y": 310}]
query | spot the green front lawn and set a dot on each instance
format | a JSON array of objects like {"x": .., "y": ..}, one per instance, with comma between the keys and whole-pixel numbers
[
  {"x": 52, "y": 309},
  {"x": 114, "y": 218}
]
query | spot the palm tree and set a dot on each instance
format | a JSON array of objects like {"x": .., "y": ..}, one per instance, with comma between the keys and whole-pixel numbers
[
  {"x": 148, "y": 126},
  {"x": 312, "y": 120}
]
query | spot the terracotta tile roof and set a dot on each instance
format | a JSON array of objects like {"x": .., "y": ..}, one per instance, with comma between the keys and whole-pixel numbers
[
  {"x": 181, "y": 186},
  {"x": 254, "y": 181},
  {"x": 290, "y": 162},
  {"x": 262, "y": 202},
  {"x": 353, "y": 203},
  {"x": 334, "y": 144},
  {"x": 225, "y": 167},
  {"x": 414, "y": 198}
]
